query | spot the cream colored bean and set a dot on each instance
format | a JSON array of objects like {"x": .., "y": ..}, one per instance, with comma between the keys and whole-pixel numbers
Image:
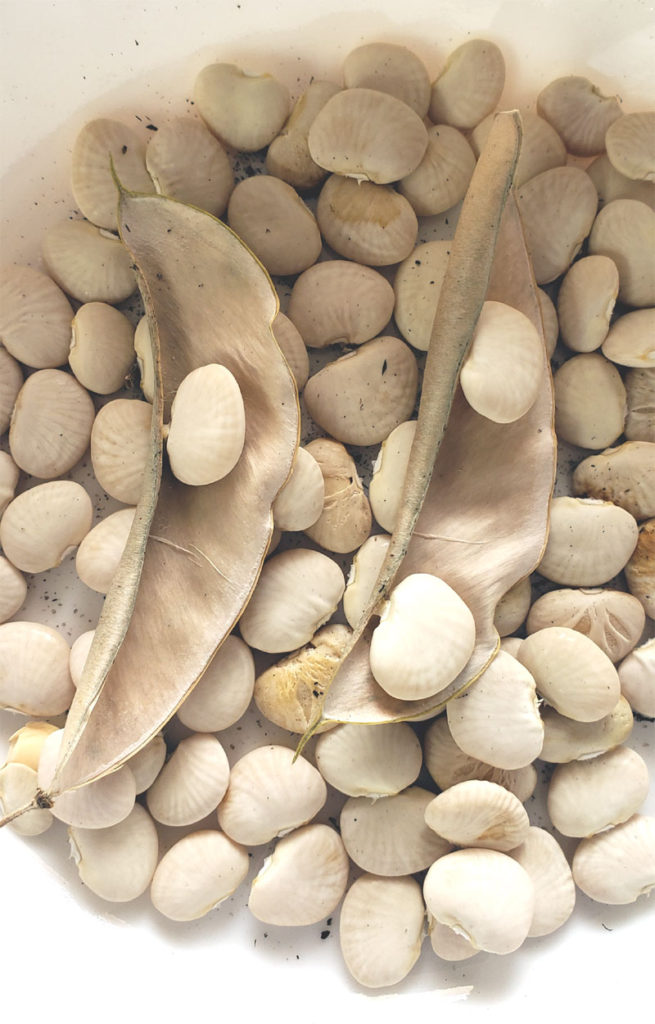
[
  {"x": 99, "y": 804},
  {"x": 381, "y": 929},
  {"x": 617, "y": 866},
  {"x": 288, "y": 155},
  {"x": 146, "y": 764},
  {"x": 41, "y": 526},
  {"x": 579, "y": 112},
  {"x": 100, "y": 552},
  {"x": 590, "y": 541},
  {"x": 243, "y": 109},
  {"x": 36, "y": 318},
  {"x": 417, "y": 286},
  {"x": 340, "y": 301},
  {"x": 303, "y": 880},
  {"x": 88, "y": 263},
  {"x": 144, "y": 358},
  {"x": 637, "y": 677},
  {"x": 630, "y": 342},
  {"x": 541, "y": 856},
  {"x": 13, "y": 589},
  {"x": 613, "y": 619},
  {"x": 585, "y": 302},
  {"x": 571, "y": 673},
  {"x": 367, "y": 135},
  {"x": 501, "y": 375},
  {"x": 567, "y": 740},
  {"x": 624, "y": 475},
  {"x": 479, "y": 815},
  {"x": 26, "y": 744},
  {"x": 11, "y": 381},
  {"x": 496, "y": 720},
  {"x": 192, "y": 782},
  {"x": 390, "y": 836},
  {"x": 513, "y": 607},
  {"x": 484, "y": 895},
  {"x": 448, "y": 764},
  {"x": 389, "y": 470},
  {"x": 51, "y": 424},
  {"x": 586, "y": 797},
  {"x": 224, "y": 691},
  {"x": 117, "y": 862},
  {"x": 425, "y": 636},
  {"x": 270, "y": 793},
  {"x": 273, "y": 221},
  {"x": 102, "y": 347},
  {"x": 207, "y": 429},
  {"x": 442, "y": 177},
  {"x": 120, "y": 446},
  {"x": 590, "y": 401},
  {"x": 79, "y": 653},
  {"x": 197, "y": 874},
  {"x": 623, "y": 230},
  {"x": 640, "y": 568},
  {"x": 611, "y": 184},
  {"x": 104, "y": 147},
  {"x": 363, "y": 575},
  {"x": 9, "y": 474},
  {"x": 362, "y": 396},
  {"x": 640, "y": 394},
  {"x": 369, "y": 760},
  {"x": 186, "y": 162},
  {"x": 300, "y": 502},
  {"x": 365, "y": 222},
  {"x": 629, "y": 142},
  {"x": 389, "y": 68},
  {"x": 558, "y": 208},
  {"x": 448, "y": 944},
  {"x": 469, "y": 86},
  {"x": 344, "y": 522},
  {"x": 297, "y": 592}
]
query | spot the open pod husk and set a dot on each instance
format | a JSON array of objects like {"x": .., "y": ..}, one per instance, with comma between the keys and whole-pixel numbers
[
  {"x": 484, "y": 520},
  {"x": 473, "y": 517},
  {"x": 194, "y": 553}
]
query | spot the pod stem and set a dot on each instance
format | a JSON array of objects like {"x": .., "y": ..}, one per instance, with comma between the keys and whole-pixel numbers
[{"x": 19, "y": 811}]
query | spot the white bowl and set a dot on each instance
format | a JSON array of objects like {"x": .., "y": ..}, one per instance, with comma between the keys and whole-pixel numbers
[{"x": 65, "y": 952}]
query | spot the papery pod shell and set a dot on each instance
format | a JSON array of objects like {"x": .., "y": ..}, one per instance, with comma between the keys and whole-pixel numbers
[
  {"x": 197, "y": 305},
  {"x": 453, "y": 536}
]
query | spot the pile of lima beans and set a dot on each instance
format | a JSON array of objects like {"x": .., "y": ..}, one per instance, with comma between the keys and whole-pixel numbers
[{"x": 428, "y": 839}]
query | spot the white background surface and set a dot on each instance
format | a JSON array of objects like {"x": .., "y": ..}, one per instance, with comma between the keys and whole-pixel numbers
[{"x": 64, "y": 951}]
